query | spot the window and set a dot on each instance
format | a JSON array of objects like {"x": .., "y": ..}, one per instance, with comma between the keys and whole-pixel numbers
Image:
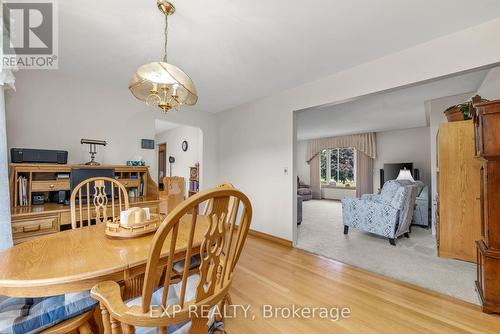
[{"x": 338, "y": 166}]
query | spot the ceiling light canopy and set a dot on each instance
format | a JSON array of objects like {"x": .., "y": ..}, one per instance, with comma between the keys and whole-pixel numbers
[{"x": 160, "y": 83}]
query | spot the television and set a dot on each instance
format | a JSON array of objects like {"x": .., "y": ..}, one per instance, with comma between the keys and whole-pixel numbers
[
  {"x": 79, "y": 175},
  {"x": 391, "y": 171}
]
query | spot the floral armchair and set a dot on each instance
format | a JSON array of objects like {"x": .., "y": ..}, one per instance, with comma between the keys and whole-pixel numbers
[{"x": 388, "y": 214}]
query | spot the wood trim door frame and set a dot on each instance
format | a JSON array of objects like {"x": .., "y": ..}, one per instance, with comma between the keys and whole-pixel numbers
[{"x": 162, "y": 163}]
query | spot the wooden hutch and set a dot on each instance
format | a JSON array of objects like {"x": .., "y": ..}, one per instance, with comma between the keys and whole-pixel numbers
[
  {"x": 487, "y": 135},
  {"x": 30, "y": 221},
  {"x": 459, "y": 222}
]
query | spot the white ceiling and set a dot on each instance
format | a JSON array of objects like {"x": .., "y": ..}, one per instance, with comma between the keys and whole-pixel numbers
[
  {"x": 399, "y": 109},
  {"x": 237, "y": 51}
]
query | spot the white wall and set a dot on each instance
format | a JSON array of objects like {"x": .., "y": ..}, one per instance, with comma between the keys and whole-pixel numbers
[
  {"x": 490, "y": 89},
  {"x": 408, "y": 145},
  {"x": 303, "y": 170},
  {"x": 183, "y": 160},
  {"x": 52, "y": 111},
  {"x": 257, "y": 140}
]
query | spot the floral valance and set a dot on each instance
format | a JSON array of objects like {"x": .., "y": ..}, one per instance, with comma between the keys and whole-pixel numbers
[{"x": 364, "y": 142}]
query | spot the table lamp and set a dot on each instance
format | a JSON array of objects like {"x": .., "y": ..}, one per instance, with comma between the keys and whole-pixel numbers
[{"x": 405, "y": 174}]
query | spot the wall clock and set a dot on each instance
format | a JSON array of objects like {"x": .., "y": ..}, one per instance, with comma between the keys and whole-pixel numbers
[{"x": 184, "y": 146}]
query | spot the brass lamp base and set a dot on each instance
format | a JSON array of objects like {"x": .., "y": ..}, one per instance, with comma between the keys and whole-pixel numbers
[
  {"x": 92, "y": 163},
  {"x": 165, "y": 7}
]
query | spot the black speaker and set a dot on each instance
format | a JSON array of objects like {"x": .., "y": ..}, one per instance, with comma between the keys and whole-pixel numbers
[
  {"x": 59, "y": 196},
  {"x": 171, "y": 159},
  {"x": 21, "y": 155},
  {"x": 416, "y": 174}
]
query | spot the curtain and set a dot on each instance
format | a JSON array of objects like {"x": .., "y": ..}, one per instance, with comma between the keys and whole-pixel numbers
[
  {"x": 364, "y": 142},
  {"x": 315, "y": 177},
  {"x": 6, "y": 81},
  {"x": 366, "y": 152},
  {"x": 364, "y": 174}
]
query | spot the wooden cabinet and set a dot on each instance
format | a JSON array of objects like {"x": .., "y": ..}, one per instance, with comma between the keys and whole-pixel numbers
[
  {"x": 487, "y": 133},
  {"x": 459, "y": 192},
  {"x": 31, "y": 221},
  {"x": 24, "y": 229},
  {"x": 129, "y": 183},
  {"x": 51, "y": 185}
]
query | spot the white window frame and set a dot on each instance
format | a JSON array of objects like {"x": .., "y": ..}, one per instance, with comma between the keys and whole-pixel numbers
[{"x": 328, "y": 154}]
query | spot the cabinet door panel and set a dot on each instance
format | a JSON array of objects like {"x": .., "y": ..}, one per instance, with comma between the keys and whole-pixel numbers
[{"x": 459, "y": 192}]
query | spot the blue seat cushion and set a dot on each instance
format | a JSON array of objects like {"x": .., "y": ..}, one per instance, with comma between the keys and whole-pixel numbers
[
  {"x": 195, "y": 262},
  {"x": 32, "y": 315},
  {"x": 173, "y": 299}
]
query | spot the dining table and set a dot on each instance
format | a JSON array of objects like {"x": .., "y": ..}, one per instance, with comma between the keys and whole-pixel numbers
[{"x": 77, "y": 259}]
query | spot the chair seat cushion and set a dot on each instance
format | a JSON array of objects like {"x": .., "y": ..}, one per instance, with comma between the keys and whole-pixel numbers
[
  {"x": 32, "y": 315},
  {"x": 174, "y": 291},
  {"x": 195, "y": 262}
]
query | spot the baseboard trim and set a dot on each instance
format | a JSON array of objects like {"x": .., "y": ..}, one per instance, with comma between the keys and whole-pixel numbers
[{"x": 271, "y": 238}]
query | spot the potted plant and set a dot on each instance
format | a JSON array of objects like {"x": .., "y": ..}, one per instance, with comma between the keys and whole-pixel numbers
[
  {"x": 459, "y": 112},
  {"x": 463, "y": 111}
]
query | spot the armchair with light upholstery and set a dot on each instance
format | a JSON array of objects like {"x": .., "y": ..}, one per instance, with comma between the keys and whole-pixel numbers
[
  {"x": 388, "y": 214},
  {"x": 304, "y": 190}
]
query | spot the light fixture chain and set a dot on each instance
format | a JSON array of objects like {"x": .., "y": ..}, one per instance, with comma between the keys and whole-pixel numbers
[{"x": 166, "y": 40}]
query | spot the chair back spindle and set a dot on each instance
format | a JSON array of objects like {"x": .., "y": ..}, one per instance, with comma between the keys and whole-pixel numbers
[{"x": 90, "y": 201}]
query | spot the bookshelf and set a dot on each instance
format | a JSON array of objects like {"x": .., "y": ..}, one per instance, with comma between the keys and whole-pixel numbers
[
  {"x": 194, "y": 179},
  {"x": 30, "y": 220}
]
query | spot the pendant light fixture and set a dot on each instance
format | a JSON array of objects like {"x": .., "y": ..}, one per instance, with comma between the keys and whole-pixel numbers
[{"x": 162, "y": 84}]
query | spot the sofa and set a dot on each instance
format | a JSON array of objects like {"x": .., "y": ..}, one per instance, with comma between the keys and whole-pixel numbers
[
  {"x": 304, "y": 190},
  {"x": 388, "y": 214}
]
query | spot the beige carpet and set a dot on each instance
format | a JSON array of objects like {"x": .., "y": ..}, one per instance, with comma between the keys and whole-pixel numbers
[{"x": 412, "y": 260}]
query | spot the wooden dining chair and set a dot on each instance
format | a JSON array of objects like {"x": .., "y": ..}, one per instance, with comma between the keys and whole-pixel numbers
[
  {"x": 173, "y": 193},
  {"x": 220, "y": 207},
  {"x": 94, "y": 200},
  {"x": 228, "y": 208},
  {"x": 193, "y": 295},
  {"x": 91, "y": 200}
]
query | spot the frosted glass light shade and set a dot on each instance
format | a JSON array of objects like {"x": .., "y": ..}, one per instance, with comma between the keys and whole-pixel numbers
[
  {"x": 405, "y": 174},
  {"x": 160, "y": 78}
]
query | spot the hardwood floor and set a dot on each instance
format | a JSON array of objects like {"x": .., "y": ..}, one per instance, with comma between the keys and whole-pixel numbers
[{"x": 272, "y": 274}]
